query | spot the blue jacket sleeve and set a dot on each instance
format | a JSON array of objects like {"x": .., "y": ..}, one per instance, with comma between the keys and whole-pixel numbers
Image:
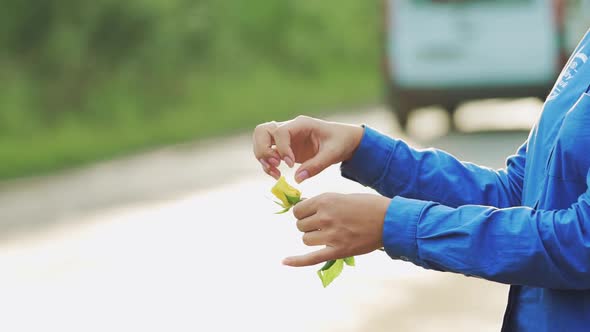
[
  {"x": 393, "y": 168},
  {"x": 517, "y": 246}
]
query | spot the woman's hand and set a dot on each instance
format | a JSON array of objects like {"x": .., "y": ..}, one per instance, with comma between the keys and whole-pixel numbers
[
  {"x": 348, "y": 225},
  {"x": 314, "y": 143}
]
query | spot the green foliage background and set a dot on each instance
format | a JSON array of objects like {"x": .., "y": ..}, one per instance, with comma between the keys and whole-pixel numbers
[{"x": 86, "y": 80}]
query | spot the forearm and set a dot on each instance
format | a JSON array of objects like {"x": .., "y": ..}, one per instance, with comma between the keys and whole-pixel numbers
[
  {"x": 393, "y": 168},
  {"x": 518, "y": 246}
]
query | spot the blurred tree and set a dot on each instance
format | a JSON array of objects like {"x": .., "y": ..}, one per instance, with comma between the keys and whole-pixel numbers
[{"x": 108, "y": 62}]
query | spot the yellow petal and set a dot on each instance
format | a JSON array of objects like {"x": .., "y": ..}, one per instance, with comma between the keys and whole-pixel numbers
[{"x": 282, "y": 189}]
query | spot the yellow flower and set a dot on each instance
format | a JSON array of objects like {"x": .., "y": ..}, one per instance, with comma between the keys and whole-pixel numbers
[{"x": 288, "y": 195}]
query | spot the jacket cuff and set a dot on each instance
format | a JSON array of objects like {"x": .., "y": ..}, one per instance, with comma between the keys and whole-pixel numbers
[
  {"x": 400, "y": 229},
  {"x": 370, "y": 159}
]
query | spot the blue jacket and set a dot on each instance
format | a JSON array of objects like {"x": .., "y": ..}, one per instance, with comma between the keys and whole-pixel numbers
[{"x": 527, "y": 225}]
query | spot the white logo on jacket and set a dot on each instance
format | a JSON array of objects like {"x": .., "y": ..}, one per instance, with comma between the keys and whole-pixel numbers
[{"x": 568, "y": 73}]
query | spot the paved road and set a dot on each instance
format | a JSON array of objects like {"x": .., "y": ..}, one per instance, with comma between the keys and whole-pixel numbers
[{"x": 185, "y": 239}]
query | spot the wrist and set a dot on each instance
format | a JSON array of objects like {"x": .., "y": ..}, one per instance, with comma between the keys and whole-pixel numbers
[
  {"x": 356, "y": 134},
  {"x": 382, "y": 204}
]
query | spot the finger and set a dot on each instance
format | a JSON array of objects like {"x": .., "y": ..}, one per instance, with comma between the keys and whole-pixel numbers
[
  {"x": 305, "y": 208},
  {"x": 308, "y": 224},
  {"x": 265, "y": 164},
  {"x": 270, "y": 170},
  {"x": 262, "y": 141},
  {"x": 274, "y": 161},
  {"x": 282, "y": 139},
  {"x": 275, "y": 173},
  {"x": 313, "y": 258},
  {"x": 315, "y": 238},
  {"x": 313, "y": 166}
]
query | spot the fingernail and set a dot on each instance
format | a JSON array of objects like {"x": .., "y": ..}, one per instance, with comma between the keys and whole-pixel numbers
[
  {"x": 289, "y": 161},
  {"x": 286, "y": 261},
  {"x": 264, "y": 163},
  {"x": 301, "y": 176},
  {"x": 274, "y": 161},
  {"x": 275, "y": 174}
]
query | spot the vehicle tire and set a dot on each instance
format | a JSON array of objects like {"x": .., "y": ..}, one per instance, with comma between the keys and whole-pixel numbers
[
  {"x": 400, "y": 104},
  {"x": 451, "y": 109}
]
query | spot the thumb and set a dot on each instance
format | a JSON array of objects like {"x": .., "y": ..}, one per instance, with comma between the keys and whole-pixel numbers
[{"x": 313, "y": 166}]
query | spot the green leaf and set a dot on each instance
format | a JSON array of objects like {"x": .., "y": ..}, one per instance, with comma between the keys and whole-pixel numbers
[
  {"x": 328, "y": 265},
  {"x": 280, "y": 204},
  {"x": 293, "y": 199},
  {"x": 349, "y": 261},
  {"x": 283, "y": 211},
  {"x": 285, "y": 208},
  {"x": 328, "y": 275}
]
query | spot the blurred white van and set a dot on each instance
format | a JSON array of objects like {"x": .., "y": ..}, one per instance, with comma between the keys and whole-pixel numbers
[
  {"x": 447, "y": 51},
  {"x": 577, "y": 22}
]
